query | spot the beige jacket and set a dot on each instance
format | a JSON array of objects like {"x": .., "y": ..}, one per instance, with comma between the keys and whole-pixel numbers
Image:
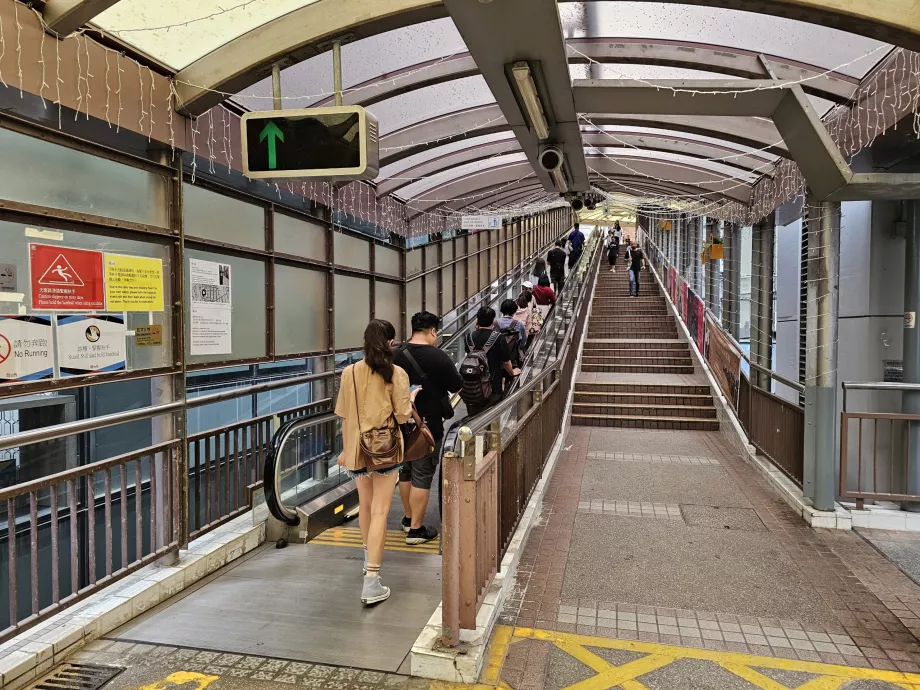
[{"x": 378, "y": 402}]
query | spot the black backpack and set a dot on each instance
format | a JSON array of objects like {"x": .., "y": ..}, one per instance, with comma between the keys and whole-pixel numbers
[
  {"x": 511, "y": 336},
  {"x": 474, "y": 370}
]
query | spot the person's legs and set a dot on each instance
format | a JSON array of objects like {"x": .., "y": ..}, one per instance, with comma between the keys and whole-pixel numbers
[
  {"x": 405, "y": 489},
  {"x": 632, "y": 281},
  {"x": 382, "y": 497},
  {"x": 637, "y": 283},
  {"x": 365, "y": 498},
  {"x": 423, "y": 473}
]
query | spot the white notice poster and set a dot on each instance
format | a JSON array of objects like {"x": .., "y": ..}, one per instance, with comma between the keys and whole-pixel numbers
[
  {"x": 212, "y": 307},
  {"x": 91, "y": 344},
  {"x": 25, "y": 348}
]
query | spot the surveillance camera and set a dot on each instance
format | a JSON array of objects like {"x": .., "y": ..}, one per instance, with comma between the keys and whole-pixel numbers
[
  {"x": 551, "y": 158},
  {"x": 577, "y": 204},
  {"x": 591, "y": 205}
]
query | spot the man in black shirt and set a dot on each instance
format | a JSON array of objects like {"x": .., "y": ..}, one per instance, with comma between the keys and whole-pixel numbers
[
  {"x": 556, "y": 260},
  {"x": 636, "y": 262},
  {"x": 499, "y": 357},
  {"x": 432, "y": 369}
]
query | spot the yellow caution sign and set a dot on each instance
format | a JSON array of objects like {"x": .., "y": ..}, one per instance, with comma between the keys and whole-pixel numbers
[{"x": 133, "y": 283}]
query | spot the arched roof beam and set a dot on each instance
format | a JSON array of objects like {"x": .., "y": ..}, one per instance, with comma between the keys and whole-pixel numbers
[
  {"x": 305, "y": 32},
  {"x": 389, "y": 185},
  {"x": 290, "y": 39},
  {"x": 636, "y": 186},
  {"x": 754, "y": 133},
  {"x": 832, "y": 86},
  {"x": 642, "y": 141},
  {"x": 444, "y": 129},
  {"x": 64, "y": 17},
  {"x": 700, "y": 180}
]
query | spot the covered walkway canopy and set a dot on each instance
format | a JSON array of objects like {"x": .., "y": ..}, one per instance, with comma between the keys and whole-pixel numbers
[{"x": 456, "y": 134}]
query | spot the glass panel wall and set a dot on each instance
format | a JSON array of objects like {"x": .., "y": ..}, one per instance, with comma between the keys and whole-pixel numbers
[
  {"x": 386, "y": 261},
  {"x": 220, "y": 218},
  {"x": 353, "y": 311},
  {"x": 386, "y": 303},
  {"x": 301, "y": 315},
  {"x": 300, "y": 237},
  {"x": 413, "y": 302},
  {"x": 32, "y": 172},
  {"x": 352, "y": 251}
]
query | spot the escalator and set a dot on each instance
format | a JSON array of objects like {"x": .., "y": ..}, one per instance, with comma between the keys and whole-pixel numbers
[{"x": 303, "y": 486}]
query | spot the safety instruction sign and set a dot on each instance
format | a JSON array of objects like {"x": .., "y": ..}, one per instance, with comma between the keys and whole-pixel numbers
[
  {"x": 212, "y": 308},
  {"x": 64, "y": 278},
  {"x": 91, "y": 344},
  {"x": 25, "y": 348},
  {"x": 148, "y": 336},
  {"x": 133, "y": 283}
]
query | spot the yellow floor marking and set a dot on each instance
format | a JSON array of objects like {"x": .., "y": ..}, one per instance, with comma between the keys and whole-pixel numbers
[
  {"x": 495, "y": 656},
  {"x": 831, "y": 676},
  {"x": 200, "y": 680},
  {"x": 351, "y": 537}
]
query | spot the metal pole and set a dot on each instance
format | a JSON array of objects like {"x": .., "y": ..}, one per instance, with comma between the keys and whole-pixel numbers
[
  {"x": 823, "y": 222},
  {"x": 910, "y": 400},
  {"x": 276, "y": 87},
  {"x": 762, "y": 300},
  {"x": 337, "y": 71}
]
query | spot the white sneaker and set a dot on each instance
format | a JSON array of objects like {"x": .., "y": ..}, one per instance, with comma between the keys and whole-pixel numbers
[{"x": 374, "y": 591}]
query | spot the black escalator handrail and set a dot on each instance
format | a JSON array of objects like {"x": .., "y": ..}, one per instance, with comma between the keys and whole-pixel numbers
[{"x": 272, "y": 478}]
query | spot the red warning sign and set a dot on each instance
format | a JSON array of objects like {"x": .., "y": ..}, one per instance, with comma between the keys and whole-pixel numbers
[{"x": 64, "y": 278}]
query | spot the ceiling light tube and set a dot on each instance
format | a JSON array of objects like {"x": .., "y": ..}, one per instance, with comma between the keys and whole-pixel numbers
[
  {"x": 559, "y": 179},
  {"x": 528, "y": 90}
]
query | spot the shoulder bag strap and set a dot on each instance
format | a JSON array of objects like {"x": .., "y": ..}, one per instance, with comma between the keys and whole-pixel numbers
[
  {"x": 418, "y": 370},
  {"x": 354, "y": 383},
  {"x": 490, "y": 342}
]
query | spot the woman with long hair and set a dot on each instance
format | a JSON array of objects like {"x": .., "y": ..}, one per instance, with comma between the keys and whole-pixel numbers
[
  {"x": 544, "y": 296},
  {"x": 373, "y": 395},
  {"x": 539, "y": 269}
]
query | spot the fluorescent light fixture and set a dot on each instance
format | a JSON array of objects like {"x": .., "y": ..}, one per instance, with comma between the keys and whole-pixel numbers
[
  {"x": 528, "y": 91},
  {"x": 559, "y": 179}
]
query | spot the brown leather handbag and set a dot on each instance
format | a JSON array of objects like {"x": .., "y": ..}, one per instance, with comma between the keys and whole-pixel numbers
[
  {"x": 418, "y": 442},
  {"x": 379, "y": 448}
]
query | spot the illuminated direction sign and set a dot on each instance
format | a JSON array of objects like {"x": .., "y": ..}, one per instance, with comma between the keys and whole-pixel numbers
[{"x": 338, "y": 143}]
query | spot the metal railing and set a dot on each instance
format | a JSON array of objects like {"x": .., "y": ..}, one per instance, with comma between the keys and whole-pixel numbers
[
  {"x": 493, "y": 462},
  {"x": 875, "y": 449},
  {"x": 773, "y": 425},
  {"x": 188, "y": 487},
  {"x": 92, "y": 500}
]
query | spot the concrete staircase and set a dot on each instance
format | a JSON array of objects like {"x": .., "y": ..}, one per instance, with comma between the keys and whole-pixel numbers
[{"x": 638, "y": 336}]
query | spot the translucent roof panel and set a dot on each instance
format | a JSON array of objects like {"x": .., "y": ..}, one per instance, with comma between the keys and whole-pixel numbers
[
  {"x": 810, "y": 43},
  {"x": 419, "y": 188},
  {"x": 612, "y": 131},
  {"x": 718, "y": 169},
  {"x": 178, "y": 32},
  {"x": 444, "y": 150},
  {"x": 310, "y": 81},
  {"x": 431, "y": 101}
]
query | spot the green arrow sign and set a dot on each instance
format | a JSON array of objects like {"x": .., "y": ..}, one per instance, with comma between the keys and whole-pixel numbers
[{"x": 273, "y": 133}]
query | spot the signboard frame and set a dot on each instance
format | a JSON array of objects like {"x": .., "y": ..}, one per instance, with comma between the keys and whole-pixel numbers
[{"x": 369, "y": 145}]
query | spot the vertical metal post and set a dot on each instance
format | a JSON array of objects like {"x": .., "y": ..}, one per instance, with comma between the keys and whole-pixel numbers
[
  {"x": 712, "y": 268},
  {"x": 452, "y": 468},
  {"x": 823, "y": 226},
  {"x": 337, "y": 71},
  {"x": 762, "y": 300},
  {"x": 276, "y": 87},
  {"x": 910, "y": 402},
  {"x": 731, "y": 276}
]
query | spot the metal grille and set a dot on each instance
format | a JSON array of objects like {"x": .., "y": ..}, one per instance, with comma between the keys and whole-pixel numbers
[
  {"x": 803, "y": 304},
  {"x": 79, "y": 677}
]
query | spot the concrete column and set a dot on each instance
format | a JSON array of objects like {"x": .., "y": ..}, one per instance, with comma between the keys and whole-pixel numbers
[
  {"x": 712, "y": 271},
  {"x": 762, "y": 299},
  {"x": 731, "y": 278},
  {"x": 823, "y": 274},
  {"x": 910, "y": 400}
]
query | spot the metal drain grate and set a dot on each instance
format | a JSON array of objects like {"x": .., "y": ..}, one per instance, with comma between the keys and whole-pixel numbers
[{"x": 79, "y": 677}]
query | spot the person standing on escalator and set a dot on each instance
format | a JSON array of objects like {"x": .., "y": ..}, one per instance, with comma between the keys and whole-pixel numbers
[
  {"x": 556, "y": 260},
  {"x": 577, "y": 241},
  {"x": 431, "y": 368},
  {"x": 373, "y": 400}
]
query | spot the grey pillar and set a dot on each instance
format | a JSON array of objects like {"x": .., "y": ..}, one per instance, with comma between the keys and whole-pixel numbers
[
  {"x": 762, "y": 299},
  {"x": 731, "y": 280},
  {"x": 910, "y": 401},
  {"x": 823, "y": 274},
  {"x": 712, "y": 271}
]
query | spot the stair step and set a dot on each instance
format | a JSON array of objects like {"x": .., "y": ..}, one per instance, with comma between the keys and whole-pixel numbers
[
  {"x": 644, "y": 360},
  {"x": 643, "y": 398},
  {"x": 672, "y": 411},
  {"x": 661, "y": 423},
  {"x": 655, "y": 388},
  {"x": 671, "y": 347},
  {"x": 637, "y": 368}
]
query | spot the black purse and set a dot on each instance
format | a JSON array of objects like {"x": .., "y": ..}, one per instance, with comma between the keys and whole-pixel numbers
[{"x": 447, "y": 410}]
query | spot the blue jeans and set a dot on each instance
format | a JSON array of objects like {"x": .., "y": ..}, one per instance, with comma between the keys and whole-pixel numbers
[{"x": 633, "y": 283}]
